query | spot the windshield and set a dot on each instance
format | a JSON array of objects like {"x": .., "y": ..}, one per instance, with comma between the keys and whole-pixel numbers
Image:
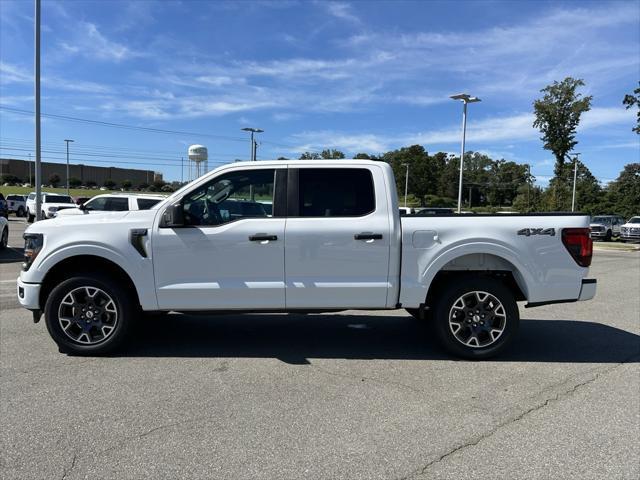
[
  {"x": 601, "y": 220},
  {"x": 634, "y": 220},
  {"x": 57, "y": 199}
]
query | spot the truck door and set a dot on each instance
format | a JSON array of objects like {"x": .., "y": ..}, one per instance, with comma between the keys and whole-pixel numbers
[
  {"x": 230, "y": 253},
  {"x": 337, "y": 238}
]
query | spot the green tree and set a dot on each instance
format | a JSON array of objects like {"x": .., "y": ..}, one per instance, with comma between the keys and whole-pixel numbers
[
  {"x": 330, "y": 153},
  {"x": 310, "y": 156},
  {"x": 624, "y": 192},
  {"x": 54, "y": 180},
  {"x": 74, "y": 182},
  {"x": 110, "y": 184},
  {"x": 423, "y": 171},
  {"x": 90, "y": 183},
  {"x": 126, "y": 184},
  {"x": 557, "y": 117},
  {"x": 362, "y": 156},
  {"x": 630, "y": 101}
]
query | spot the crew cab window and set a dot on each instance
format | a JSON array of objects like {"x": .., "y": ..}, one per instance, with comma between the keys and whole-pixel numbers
[
  {"x": 336, "y": 192},
  {"x": 230, "y": 197},
  {"x": 147, "y": 203},
  {"x": 108, "y": 204}
]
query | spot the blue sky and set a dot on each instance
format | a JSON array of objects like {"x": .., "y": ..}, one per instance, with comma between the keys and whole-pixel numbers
[{"x": 357, "y": 76}]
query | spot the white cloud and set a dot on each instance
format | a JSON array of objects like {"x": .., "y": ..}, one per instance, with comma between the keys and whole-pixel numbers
[
  {"x": 313, "y": 141},
  {"x": 14, "y": 74},
  {"x": 494, "y": 130},
  {"x": 89, "y": 42},
  {"x": 342, "y": 11}
]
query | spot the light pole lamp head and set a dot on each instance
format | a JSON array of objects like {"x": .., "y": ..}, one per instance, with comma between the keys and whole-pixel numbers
[
  {"x": 254, "y": 130},
  {"x": 465, "y": 97},
  {"x": 67, "y": 140}
]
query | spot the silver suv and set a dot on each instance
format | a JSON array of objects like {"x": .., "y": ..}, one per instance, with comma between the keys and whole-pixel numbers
[{"x": 605, "y": 227}]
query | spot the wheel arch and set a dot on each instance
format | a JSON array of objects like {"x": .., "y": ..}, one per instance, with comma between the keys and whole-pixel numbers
[
  {"x": 488, "y": 260},
  {"x": 77, "y": 264}
]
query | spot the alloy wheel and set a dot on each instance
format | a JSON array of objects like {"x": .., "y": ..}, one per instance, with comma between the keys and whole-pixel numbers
[
  {"x": 477, "y": 319},
  {"x": 88, "y": 315}
]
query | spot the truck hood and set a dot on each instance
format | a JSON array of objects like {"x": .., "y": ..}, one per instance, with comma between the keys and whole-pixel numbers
[{"x": 62, "y": 223}]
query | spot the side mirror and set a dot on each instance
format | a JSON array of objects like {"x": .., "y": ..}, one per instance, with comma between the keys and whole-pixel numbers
[{"x": 173, "y": 216}]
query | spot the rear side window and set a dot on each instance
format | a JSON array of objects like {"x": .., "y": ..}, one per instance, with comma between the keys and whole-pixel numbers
[
  {"x": 335, "y": 192},
  {"x": 146, "y": 203}
]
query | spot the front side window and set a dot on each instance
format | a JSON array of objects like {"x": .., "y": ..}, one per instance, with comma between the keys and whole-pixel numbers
[
  {"x": 229, "y": 197},
  {"x": 336, "y": 192},
  {"x": 108, "y": 204},
  {"x": 97, "y": 204}
]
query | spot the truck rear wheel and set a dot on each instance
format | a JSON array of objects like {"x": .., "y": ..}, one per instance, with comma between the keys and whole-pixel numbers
[
  {"x": 476, "y": 318},
  {"x": 88, "y": 315}
]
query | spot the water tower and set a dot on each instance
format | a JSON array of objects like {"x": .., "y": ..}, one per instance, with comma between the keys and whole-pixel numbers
[{"x": 198, "y": 161}]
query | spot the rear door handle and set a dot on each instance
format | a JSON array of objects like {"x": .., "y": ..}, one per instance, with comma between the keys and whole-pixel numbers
[
  {"x": 261, "y": 237},
  {"x": 368, "y": 236}
]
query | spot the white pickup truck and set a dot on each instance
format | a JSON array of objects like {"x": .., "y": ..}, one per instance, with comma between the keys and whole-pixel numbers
[{"x": 333, "y": 240}]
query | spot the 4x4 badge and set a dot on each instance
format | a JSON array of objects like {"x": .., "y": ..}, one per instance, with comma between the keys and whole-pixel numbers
[{"x": 527, "y": 232}]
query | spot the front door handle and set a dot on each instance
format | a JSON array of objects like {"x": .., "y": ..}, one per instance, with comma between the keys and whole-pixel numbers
[
  {"x": 368, "y": 236},
  {"x": 261, "y": 237}
]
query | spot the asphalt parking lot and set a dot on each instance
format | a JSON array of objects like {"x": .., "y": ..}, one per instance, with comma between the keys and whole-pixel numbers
[{"x": 350, "y": 395}]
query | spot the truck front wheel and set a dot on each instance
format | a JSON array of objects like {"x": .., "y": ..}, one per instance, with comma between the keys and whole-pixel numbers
[
  {"x": 476, "y": 318},
  {"x": 88, "y": 315}
]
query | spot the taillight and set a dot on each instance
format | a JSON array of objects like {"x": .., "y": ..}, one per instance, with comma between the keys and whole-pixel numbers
[{"x": 579, "y": 244}]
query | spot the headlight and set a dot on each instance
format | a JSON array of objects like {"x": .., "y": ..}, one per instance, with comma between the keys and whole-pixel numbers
[
  {"x": 32, "y": 246},
  {"x": 53, "y": 209}
]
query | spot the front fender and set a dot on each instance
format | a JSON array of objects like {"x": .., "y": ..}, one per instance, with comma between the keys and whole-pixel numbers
[{"x": 139, "y": 269}]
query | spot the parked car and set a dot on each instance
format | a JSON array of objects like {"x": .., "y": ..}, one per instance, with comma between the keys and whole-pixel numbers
[
  {"x": 17, "y": 204},
  {"x": 4, "y": 233},
  {"x": 406, "y": 211},
  {"x": 115, "y": 203},
  {"x": 605, "y": 227},
  {"x": 54, "y": 204},
  {"x": 335, "y": 241},
  {"x": 423, "y": 212},
  {"x": 4, "y": 207},
  {"x": 630, "y": 231}
]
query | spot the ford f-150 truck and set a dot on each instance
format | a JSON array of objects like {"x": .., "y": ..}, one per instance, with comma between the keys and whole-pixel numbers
[{"x": 333, "y": 240}]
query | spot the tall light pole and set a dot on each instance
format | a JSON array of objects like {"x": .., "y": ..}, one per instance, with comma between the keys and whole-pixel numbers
[
  {"x": 253, "y": 143},
  {"x": 67, "y": 142},
  {"x": 406, "y": 183},
  {"x": 575, "y": 177},
  {"x": 464, "y": 98},
  {"x": 36, "y": 61}
]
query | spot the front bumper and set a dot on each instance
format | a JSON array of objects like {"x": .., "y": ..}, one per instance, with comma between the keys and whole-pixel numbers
[{"x": 29, "y": 295}]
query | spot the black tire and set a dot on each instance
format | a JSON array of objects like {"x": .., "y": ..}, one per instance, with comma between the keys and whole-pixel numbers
[
  {"x": 607, "y": 238},
  {"x": 20, "y": 212},
  {"x": 30, "y": 218},
  {"x": 449, "y": 302},
  {"x": 4, "y": 238},
  {"x": 122, "y": 304}
]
